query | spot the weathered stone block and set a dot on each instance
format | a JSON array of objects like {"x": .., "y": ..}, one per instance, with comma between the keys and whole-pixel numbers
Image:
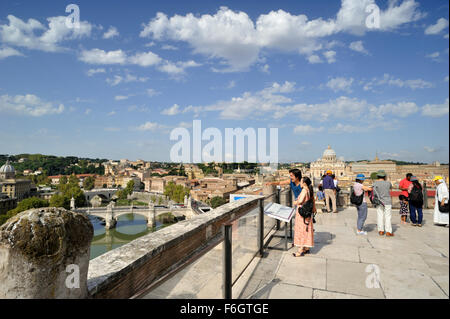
[{"x": 44, "y": 253}]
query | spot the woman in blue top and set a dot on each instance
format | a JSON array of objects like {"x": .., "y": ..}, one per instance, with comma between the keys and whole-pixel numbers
[{"x": 296, "y": 175}]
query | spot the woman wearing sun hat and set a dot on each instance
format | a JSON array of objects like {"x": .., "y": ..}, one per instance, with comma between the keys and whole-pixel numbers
[
  {"x": 359, "y": 189},
  {"x": 441, "y": 197}
]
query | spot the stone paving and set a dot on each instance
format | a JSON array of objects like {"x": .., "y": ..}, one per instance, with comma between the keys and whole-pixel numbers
[{"x": 412, "y": 264}]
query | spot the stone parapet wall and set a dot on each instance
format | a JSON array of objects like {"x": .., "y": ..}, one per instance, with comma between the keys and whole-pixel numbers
[{"x": 124, "y": 271}]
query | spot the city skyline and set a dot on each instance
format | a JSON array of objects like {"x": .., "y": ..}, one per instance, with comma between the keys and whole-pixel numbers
[{"x": 117, "y": 86}]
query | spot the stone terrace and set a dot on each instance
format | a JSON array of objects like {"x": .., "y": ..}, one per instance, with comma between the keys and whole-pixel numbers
[{"x": 413, "y": 264}]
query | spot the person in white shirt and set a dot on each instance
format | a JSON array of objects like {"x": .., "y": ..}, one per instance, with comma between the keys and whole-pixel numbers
[{"x": 441, "y": 197}]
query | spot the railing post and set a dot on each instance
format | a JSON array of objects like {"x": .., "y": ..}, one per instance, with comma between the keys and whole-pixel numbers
[
  {"x": 277, "y": 200},
  {"x": 290, "y": 195},
  {"x": 425, "y": 195},
  {"x": 227, "y": 262},
  {"x": 261, "y": 228}
]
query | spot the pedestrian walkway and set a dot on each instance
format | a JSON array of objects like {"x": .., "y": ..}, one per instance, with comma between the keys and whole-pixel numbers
[{"x": 342, "y": 264}]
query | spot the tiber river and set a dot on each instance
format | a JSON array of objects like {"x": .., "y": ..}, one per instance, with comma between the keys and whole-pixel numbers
[{"x": 128, "y": 228}]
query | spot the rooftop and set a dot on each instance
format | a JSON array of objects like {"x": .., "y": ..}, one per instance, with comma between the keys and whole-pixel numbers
[{"x": 413, "y": 264}]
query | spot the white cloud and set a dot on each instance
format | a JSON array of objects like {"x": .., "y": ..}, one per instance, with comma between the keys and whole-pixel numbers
[
  {"x": 112, "y": 113},
  {"x": 431, "y": 149},
  {"x": 307, "y": 129},
  {"x": 236, "y": 40},
  {"x": 400, "y": 109},
  {"x": 358, "y": 47},
  {"x": 121, "y": 97},
  {"x": 111, "y": 33},
  {"x": 347, "y": 128},
  {"x": 117, "y": 79},
  {"x": 232, "y": 84},
  {"x": 185, "y": 124},
  {"x": 330, "y": 56},
  {"x": 88, "y": 111},
  {"x": 97, "y": 56},
  {"x": 440, "y": 25},
  {"x": 340, "y": 84},
  {"x": 28, "y": 105},
  {"x": 24, "y": 34},
  {"x": 92, "y": 72},
  {"x": 169, "y": 47},
  {"x": 177, "y": 68},
  {"x": 392, "y": 81},
  {"x": 152, "y": 92},
  {"x": 149, "y": 126},
  {"x": 265, "y": 69},
  {"x": 145, "y": 59},
  {"x": 7, "y": 52},
  {"x": 174, "y": 110},
  {"x": 434, "y": 56},
  {"x": 436, "y": 110},
  {"x": 313, "y": 59}
]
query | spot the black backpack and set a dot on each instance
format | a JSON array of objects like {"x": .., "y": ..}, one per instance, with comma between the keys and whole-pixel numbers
[
  {"x": 306, "y": 211},
  {"x": 356, "y": 200},
  {"x": 416, "y": 195}
]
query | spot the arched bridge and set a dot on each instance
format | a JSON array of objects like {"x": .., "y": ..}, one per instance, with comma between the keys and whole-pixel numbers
[
  {"x": 111, "y": 215},
  {"x": 106, "y": 193}
]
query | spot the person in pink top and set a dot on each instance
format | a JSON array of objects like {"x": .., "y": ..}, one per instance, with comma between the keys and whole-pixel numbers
[{"x": 404, "y": 185}]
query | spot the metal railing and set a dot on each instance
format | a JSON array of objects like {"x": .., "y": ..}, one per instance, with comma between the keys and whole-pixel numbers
[{"x": 263, "y": 227}]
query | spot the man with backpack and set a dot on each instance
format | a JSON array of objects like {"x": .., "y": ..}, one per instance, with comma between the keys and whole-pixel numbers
[
  {"x": 415, "y": 202},
  {"x": 330, "y": 192}
]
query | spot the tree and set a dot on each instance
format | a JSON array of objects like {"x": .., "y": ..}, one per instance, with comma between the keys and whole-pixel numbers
[
  {"x": 88, "y": 183},
  {"x": 73, "y": 181},
  {"x": 59, "y": 200},
  {"x": 28, "y": 203},
  {"x": 68, "y": 188},
  {"x": 176, "y": 192},
  {"x": 373, "y": 176},
  {"x": 63, "y": 180},
  {"x": 217, "y": 201}
]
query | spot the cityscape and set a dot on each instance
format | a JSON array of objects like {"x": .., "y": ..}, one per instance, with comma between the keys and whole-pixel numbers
[{"x": 171, "y": 152}]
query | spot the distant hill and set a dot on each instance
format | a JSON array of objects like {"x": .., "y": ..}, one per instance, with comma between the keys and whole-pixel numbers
[
  {"x": 395, "y": 161},
  {"x": 54, "y": 165}
]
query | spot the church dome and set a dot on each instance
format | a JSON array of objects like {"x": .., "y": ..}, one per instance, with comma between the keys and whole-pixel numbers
[
  {"x": 329, "y": 152},
  {"x": 7, "y": 168}
]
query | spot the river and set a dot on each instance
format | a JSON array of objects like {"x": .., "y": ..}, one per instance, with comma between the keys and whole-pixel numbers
[{"x": 128, "y": 227}]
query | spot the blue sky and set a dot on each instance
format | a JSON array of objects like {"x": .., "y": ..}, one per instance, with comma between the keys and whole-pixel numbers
[{"x": 133, "y": 71}]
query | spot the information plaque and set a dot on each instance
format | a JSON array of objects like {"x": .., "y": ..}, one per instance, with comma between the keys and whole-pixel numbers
[{"x": 280, "y": 212}]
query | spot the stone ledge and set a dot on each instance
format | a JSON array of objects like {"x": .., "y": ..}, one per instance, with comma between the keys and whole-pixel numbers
[{"x": 110, "y": 270}]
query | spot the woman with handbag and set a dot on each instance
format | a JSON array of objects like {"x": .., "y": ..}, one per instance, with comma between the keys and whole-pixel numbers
[
  {"x": 304, "y": 231},
  {"x": 361, "y": 204},
  {"x": 441, "y": 202}
]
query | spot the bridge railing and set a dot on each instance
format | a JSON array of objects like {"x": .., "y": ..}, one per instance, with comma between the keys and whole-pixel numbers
[{"x": 135, "y": 269}]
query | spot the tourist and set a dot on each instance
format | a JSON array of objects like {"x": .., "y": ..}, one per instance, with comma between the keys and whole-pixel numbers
[
  {"x": 320, "y": 195},
  {"x": 415, "y": 202},
  {"x": 382, "y": 189},
  {"x": 295, "y": 183},
  {"x": 336, "y": 187},
  {"x": 295, "y": 177},
  {"x": 359, "y": 189},
  {"x": 404, "y": 185},
  {"x": 304, "y": 231},
  {"x": 403, "y": 209},
  {"x": 441, "y": 199},
  {"x": 330, "y": 192}
]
